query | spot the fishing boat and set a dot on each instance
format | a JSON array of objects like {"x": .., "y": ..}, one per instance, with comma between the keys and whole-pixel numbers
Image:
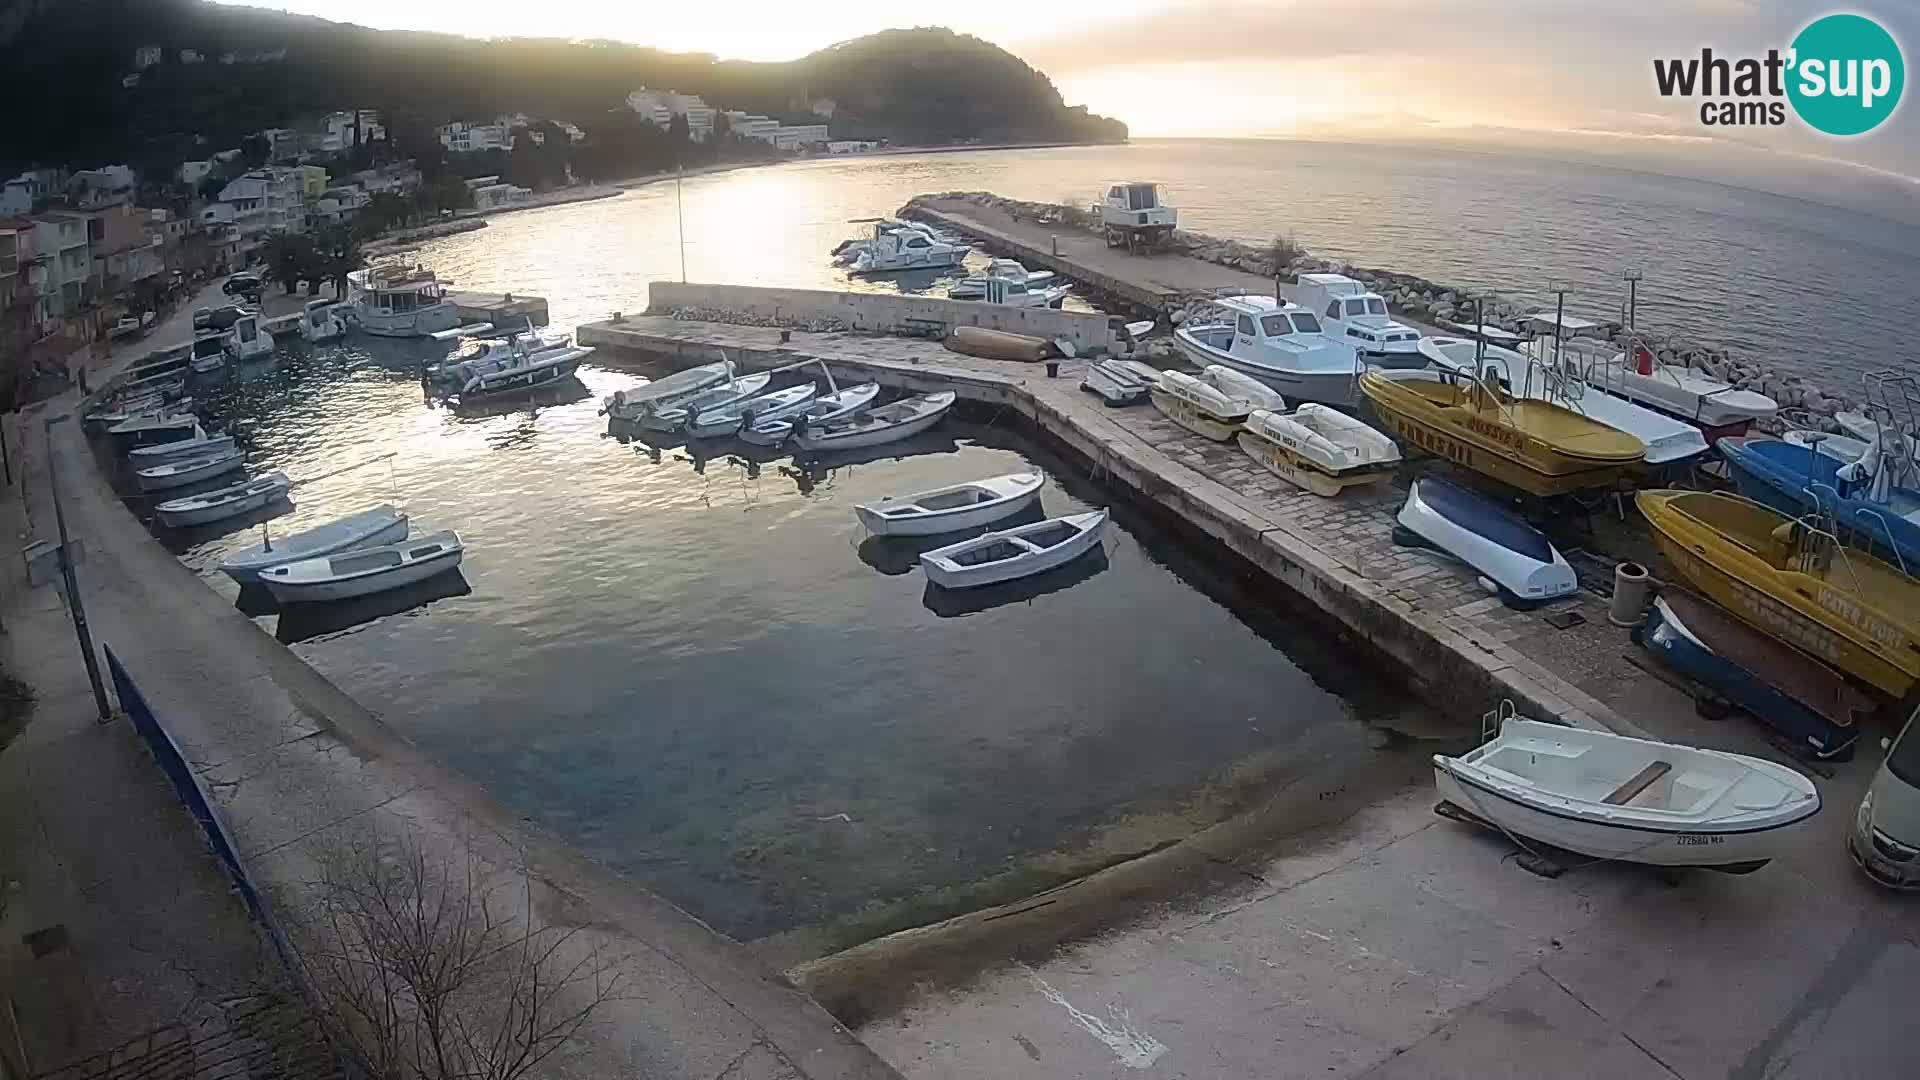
[
  {"x": 361, "y": 572},
  {"x": 320, "y": 322},
  {"x": 1282, "y": 345},
  {"x": 1496, "y": 542},
  {"x": 1318, "y": 448},
  {"x": 199, "y": 445},
  {"x": 496, "y": 366},
  {"x": 889, "y": 423},
  {"x": 736, "y": 416},
  {"x": 1668, "y": 441},
  {"x": 975, "y": 287},
  {"x": 1018, "y": 552},
  {"x": 1795, "y": 480},
  {"x": 951, "y": 508},
  {"x": 1119, "y": 382},
  {"x": 1244, "y": 387},
  {"x": 1351, "y": 311},
  {"x": 675, "y": 417},
  {"x": 226, "y": 502},
  {"x": 1018, "y": 294},
  {"x": 395, "y": 300},
  {"x": 1200, "y": 407},
  {"x": 151, "y": 428},
  {"x": 666, "y": 392},
  {"x": 1534, "y": 446},
  {"x": 1791, "y": 578},
  {"x": 1609, "y": 796},
  {"x": 1790, "y": 692},
  {"x": 376, "y": 527},
  {"x": 189, "y": 470},
  {"x": 1716, "y": 405},
  {"x": 824, "y": 409}
]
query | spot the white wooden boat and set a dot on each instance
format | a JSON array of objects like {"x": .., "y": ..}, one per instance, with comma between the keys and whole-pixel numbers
[
  {"x": 369, "y": 528},
  {"x": 151, "y": 428},
  {"x": 1319, "y": 449},
  {"x": 951, "y": 508},
  {"x": 675, "y": 417},
  {"x": 1636, "y": 800},
  {"x": 668, "y": 391},
  {"x": 824, "y": 409},
  {"x": 1691, "y": 395},
  {"x": 200, "y": 445},
  {"x": 902, "y": 419},
  {"x": 1014, "y": 553},
  {"x": 223, "y": 502},
  {"x": 369, "y": 570},
  {"x": 1255, "y": 393},
  {"x": 1199, "y": 407},
  {"x": 737, "y": 415},
  {"x": 189, "y": 470},
  {"x": 1282, "y": 345},
  {"x": 1117, "y": 383}
]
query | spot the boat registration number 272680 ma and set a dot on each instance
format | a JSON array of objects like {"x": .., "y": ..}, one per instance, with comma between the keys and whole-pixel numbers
[{"x": 1689, "y": 839}]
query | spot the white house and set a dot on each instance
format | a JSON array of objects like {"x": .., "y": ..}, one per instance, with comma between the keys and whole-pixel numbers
[
  {"x": 337, "y": 203},
  {"x": 265, "y": 200},
  {"x": 62, "y": 238},
  {"x": 751, "y": 126},
  {"x": 192, "y": 172},
  {"x": 463, "y": 138},
  {"x": 336, "y": 130},
  {"x": 661, "y": 106},
  {"x": 496, "y": 196},
  {"x": 799, "y": 136}
]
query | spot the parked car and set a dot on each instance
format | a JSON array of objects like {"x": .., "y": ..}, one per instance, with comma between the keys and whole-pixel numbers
[
  {"x": 243, "y": 284},
  {"x": 1885, "y": 840}
]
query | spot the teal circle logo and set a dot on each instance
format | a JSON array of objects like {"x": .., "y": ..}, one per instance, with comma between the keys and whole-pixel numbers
[{"x": 1847, "y": 74}]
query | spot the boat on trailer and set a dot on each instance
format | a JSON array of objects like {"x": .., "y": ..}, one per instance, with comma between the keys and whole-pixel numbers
[
  {"x": 824, "y": 409},
  {"x": 1200, "y": 407},
  {"x": 369, "y": 528},
  {"x": 364, "y": 571},
  {"x": 1014, "y": 553},
  {"x": 889, "y": 423},
  {"x": 1318, "y": 448},
  {"x": 951, "y": 508},
  {"x": 1496, "y": 542}
]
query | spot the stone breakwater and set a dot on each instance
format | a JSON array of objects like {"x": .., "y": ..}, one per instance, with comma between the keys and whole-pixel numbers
[
  {"x": 744, "y": 318},
  {"x": 393, "y": 241},
  {"x": 1418, "y": 298}
]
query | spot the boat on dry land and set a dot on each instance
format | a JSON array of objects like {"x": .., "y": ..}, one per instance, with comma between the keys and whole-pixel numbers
[
  {"x": 1200, "y": 407},
  {"x": 1318, "y": 448}
]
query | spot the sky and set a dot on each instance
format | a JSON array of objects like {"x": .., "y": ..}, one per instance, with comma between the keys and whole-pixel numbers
[{"x": 1544, "y": 74}]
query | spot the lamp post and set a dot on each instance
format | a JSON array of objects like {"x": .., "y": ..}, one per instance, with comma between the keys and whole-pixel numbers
[
  {"x": 71, "y": 583},
  {"x": 1632, "y": 276}
]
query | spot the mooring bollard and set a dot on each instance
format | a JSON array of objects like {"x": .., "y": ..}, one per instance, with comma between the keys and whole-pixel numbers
[{"x": 1056, "y": 245}]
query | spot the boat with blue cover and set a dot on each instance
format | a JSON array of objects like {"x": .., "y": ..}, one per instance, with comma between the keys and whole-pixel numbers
[
  {"x": 1495, "y": 541},
  {"x": 1797, "y": 480}
]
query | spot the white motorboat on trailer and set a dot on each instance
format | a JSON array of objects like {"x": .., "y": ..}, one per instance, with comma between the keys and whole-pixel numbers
[
  {"x": 666, "y": 392},
  {"x": 189, "y": 470},
  {"x": 320, "y": 322},
  {"x": 1014, "y": 553},
  {"x": 1243, "y": 387},
  {"x": 901, "y": 419},
  {"x": 974, "y": 287},
  {"x": 1200, "y": 407},
  {"x": 1349, "y": 310},
  {"x": 1282, "y": 345},
  {"x": 1317, "y": 448},
  {"x": 223, "y": 502},
  {"x": 1497, "y": 543},
  {"x": 369, "y": 528},
  {"x": 199, "y": 445},
  {"x": 1694, "y": 396},
  {"x": 736, "y": 416},
  {"x": 821, "y": 410},
  {"x": 951, "y": 508},
  {"x": 487, "y": 367},
  {"x": 675, "y": 417},
  {"x": 1609, "y": 796},
  {"x": 395, "y": 300},
  {"x": 348, "y": 574}
]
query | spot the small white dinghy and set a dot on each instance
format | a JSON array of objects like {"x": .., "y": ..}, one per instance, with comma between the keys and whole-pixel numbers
[
  {"x": 1634, "y": 800},
  {"x": 189, "y": 470},
  {"x": 369, "y": 570},
  {"x": 661, "y": 393},
  {"x": 1318, "y": 448},
  {"x": 223, "y": 502},
  {"x": 889, "y": 423},
  {"x": 202, "y": 444},
  {"x": 1243, "y": 387},
  {"x": 368, "y": 528},
  {"x": 950, "y": 509},
  {"x": 823, "y": 409},
  {"x": 674, "y": 417},
  {"x": 1200, "y": 407},
  {"x": 737, "y": 415},
  {"x": 1014, "y": 553},
  {"x": 1119, "y": 382}
]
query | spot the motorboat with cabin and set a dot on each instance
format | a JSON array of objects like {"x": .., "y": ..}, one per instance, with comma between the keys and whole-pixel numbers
[
  {"x": 1352, "y": 313},
  {"x": 493, "y": 366},
  {"x": 1020, "y": 294},
  {"x": 320, "y": 322},
  {"x": 1500, "y": 545},
  {"x": 850, "y": 250},
  {"x": 975, "y": 286},
  {"x": 1280, "y": 344},
  {"x": 1133, "y": 215},
  {"x": 248, "y": 338},
  {"x": 396, "y": 300},
  {"x": 906, "y": 249}
]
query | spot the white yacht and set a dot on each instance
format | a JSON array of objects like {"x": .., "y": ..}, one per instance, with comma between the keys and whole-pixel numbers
[
  {"x": 483, "y": 367},
  {"x": 391, "y": 300},
  {"x": 248, "y": 339},
  {"x": 975, "y": 286},
  {"x": 1282, "y": 345},
  {"x": 906, "y": 249},
  {"x": 1019, "y": 294},
  {"x": 850, "y": 250},
  {"x": 320, "y": 321},
  {"x": 1347, "y": 310}
]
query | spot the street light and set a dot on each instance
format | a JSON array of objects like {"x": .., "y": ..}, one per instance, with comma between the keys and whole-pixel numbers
[{"x": 1632, "y": 276}]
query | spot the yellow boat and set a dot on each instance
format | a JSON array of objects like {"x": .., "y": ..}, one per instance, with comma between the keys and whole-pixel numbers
[
  {"x": 1536, "y": 446},
  {"x": 1793, "y": 581}
]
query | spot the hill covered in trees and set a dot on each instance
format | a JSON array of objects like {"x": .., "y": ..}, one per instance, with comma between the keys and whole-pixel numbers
[{"x": 70, "y": 66}]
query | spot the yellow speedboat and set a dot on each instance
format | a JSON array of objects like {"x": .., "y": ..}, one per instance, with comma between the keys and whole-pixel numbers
[
  {"x": 1536, "y": 446},
  {"x": 1793, "y": 581}
]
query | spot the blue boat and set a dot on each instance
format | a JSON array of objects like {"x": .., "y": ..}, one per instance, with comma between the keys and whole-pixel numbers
[{"x": 1798, "y": 480}]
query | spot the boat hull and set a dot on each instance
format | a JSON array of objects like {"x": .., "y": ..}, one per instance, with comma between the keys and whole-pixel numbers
[
  {"x": 826, "y": 440},
  {"x": 1323, "y": 387},
  {"x": 180, "y": 519},
  {"x": 421, "y": 322},
  {"x": 207, "y": 471},
  {"x": 967, "y": 577},
  {"x": 508, "y": 384},
  {"x": 320, "y": 592},
  {"x": 1302, "y": 471},
  {"x": 147, "y": 457},
  {"x": 1799, "y": 480},
  {"x": 248, "y": 572},
  {"x": 1509, "y": 552},
  {"x": 1190, "y": 416},
  {"x": 956, "y": 520}
]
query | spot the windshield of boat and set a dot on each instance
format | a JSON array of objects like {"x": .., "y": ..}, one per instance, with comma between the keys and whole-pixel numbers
[
  {"x": 1376, "y": 306},
  {"x": 1140, "y": 197},
  {"x": 1305, "y": 323},
  {"x": 1903, "y": 761},
  {"x": 1276, "y": 325},
  {"x": 1356, "y": 307}
]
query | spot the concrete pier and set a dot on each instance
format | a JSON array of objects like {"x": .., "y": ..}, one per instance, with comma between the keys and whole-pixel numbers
[{"x": 506, "y": 310}]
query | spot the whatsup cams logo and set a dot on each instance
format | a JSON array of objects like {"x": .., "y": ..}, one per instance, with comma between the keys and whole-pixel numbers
[{"x": 1842, "y": 75}]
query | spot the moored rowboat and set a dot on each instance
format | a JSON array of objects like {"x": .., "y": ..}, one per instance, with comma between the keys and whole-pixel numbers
[
  {"x": 223, "y": 502},
  {"x": 189, "y": 470},
  {"x": 889, "y": 423},
  {"x": 952, "y": 508},
  {"x": 1014, "y": 553},
  {"x": 368, "y": 528},
  {"x": 369, "y": 570},
  {"x": 824, "y": 409}
]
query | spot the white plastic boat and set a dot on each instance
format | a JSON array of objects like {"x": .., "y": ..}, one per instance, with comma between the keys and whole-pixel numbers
[
  {"x": 889, "y": 423},
  {"x": 952, "y": 508},
  {"x": 189, "y": 470},
  {"x": 321, "y": 322},
  {"x": 1014, "y": 553},
  {"x": 489, "y": 367},
  {"x": 223, "y": 502},
  {"x": 1842, "y": 448},
  {"x": 152, "y": 428},
  {"x": 1636, "y": 800},
  {"x": 823, "y": 409},
  {"x": 891, "y": 251},
  {"x": 674, "y": 417},
  {"x": 1318, "y": 448},
  {"x": 1691, "y": 395},
  {"x": 368, "y": 570},
  {"x": 1494, "y": 541},
  {"x": 368, "y": 528},
  {"x": 200, "y": 445},
  {"x": 1118, "y": 382},
  {"x": 736, "y": 415},
  {"x": 1282, "y": 345},
  {"x": 1243, "y": 387},
  {"x": 974, "y": 287},
  {"x": 1865, "y": 428},
  {"x": 661, "y": 393},
  {"x": 1200, "y": 407}
]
